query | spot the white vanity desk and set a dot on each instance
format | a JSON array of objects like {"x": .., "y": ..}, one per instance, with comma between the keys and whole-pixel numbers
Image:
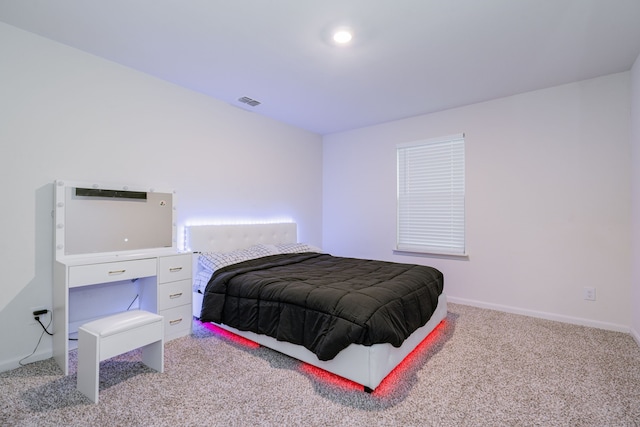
[
  {"x": 115, "y": 246},
  {"x": 163, "y": 281}
]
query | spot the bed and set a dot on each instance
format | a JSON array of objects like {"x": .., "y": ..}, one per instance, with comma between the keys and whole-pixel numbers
[{"x": 253, "y": 244}]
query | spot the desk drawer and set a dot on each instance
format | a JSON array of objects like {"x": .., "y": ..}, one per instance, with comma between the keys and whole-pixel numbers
[
  {"x": 177, "y": 321},
  {"x": 174, "y": 294},
  {"x": 80, "y": 275},
  {"x": 174, "y": 268}
]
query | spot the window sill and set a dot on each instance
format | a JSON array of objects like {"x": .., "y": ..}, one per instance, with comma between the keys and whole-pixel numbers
[{"x": 444, "y": 255}]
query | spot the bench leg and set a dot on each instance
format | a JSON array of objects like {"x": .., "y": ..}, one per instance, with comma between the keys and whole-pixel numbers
[
  {"x": 153, "y": 355},
  {"x": 88, "y": 364}
]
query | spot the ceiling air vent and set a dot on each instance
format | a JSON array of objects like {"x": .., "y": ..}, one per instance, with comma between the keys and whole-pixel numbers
[{"x": 249, "y": 101}]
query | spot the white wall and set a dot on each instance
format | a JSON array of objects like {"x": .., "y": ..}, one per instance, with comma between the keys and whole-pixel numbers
[
  {"x": 547, "y": 202},
  {"x": 635, "y": 198},
  {"x": 69, "y": 115}
]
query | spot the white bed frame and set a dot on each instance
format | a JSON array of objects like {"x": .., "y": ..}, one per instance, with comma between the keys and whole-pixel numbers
[{"x": 365, "y": 365}]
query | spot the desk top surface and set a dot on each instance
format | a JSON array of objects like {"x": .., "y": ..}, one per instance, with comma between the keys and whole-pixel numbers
[{"x": 101, "y": 258}]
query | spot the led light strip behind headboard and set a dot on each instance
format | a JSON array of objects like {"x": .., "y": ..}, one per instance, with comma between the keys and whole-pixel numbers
[{"x": 229, "y": 237}]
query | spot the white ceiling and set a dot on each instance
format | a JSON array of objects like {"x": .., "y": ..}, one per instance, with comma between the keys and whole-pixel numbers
[{"x": 408, "y": 57}]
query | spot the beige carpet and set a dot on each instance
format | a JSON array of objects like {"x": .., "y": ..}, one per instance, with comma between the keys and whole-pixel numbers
[{"x": 480, "y": 368}]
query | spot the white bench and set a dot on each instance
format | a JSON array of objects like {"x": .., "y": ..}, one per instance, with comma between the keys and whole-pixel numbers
[{"x": 117, "y": 334}]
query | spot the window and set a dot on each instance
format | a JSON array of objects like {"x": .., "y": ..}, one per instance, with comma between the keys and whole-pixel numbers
[{"x": 430, "y": 216}]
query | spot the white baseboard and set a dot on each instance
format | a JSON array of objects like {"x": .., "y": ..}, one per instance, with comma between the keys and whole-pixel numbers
[
  {"x": 8, "y": 365},
  {"x": 544, "y": 315}
]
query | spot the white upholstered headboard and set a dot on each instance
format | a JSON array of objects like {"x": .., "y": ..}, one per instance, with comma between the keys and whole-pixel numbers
[{"x": 229, "y": 237}]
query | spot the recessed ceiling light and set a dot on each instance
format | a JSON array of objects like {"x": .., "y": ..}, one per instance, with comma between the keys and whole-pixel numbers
[{"x": 342, "y": 36}]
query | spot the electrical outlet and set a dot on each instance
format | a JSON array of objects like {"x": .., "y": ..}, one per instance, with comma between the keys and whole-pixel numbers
[
  {"x": 32, "y": 317},
  {"x": 589, "y": 293}
]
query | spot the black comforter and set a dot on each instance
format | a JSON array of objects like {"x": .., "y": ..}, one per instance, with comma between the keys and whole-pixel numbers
[{"x": 323, "y": 302}]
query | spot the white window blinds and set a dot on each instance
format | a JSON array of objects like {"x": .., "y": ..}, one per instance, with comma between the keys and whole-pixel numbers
[{"x": 430, "y": 216}]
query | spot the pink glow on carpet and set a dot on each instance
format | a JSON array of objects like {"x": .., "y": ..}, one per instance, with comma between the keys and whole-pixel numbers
[
  {"x": 385, "y": 388},
  {"x": 389, "y": 383},
  {"x": 230, "y": 335}
]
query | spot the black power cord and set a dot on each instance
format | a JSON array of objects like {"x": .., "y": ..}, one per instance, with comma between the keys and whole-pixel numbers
[
  {"x": 43, "y": 327},
  {"x": 134, "y": 300},
  {"x": 36, "y": 316}
]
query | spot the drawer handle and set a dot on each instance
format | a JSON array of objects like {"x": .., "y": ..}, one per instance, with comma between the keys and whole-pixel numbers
[
  {"x": 174, "y": 296},
  {"x": 174, "y": 269},
  {"x": 114, "y": 272},
  {"x": 175, "y": 322}
]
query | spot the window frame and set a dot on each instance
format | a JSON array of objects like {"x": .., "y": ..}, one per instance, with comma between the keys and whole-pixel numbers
[{"x": 418, "y": 163}]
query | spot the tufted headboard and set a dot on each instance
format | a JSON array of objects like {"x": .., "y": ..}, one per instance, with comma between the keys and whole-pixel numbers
[{"x": 229, "y": 237}]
